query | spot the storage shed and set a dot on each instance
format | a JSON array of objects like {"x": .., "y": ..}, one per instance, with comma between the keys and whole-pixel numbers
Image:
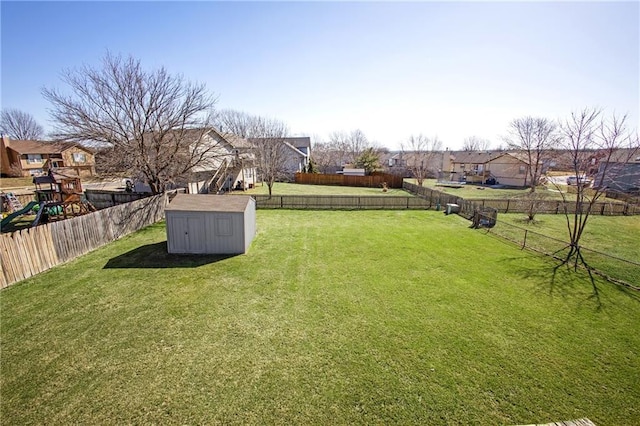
[{"x": 210, "y": 224}]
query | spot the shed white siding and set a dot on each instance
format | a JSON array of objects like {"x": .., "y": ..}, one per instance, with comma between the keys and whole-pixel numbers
[{"x": 210, "y": 224}]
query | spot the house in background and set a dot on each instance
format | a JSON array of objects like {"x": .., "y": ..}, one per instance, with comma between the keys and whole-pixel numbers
[
  {"x": 35, "y": 158},
  {"x": 230, "y": 165},
  {"x": 509, "y": 168},
  {"x": 297, "y": 152},
  {"x": 504, "y": 168},
  {"x": 402, "y": 162},
  {"x": 470, "y": 166},
  {"x": 622, "y": 172}
]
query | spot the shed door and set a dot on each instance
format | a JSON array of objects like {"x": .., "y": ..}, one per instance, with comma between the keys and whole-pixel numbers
[{"x": 188, "y": 234}]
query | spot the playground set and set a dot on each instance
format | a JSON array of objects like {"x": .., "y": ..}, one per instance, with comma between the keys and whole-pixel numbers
[{"x": 57, "y": 198}]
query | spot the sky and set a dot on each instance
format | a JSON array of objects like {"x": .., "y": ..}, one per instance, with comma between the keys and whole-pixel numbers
[{"x": 391, "y": 69}]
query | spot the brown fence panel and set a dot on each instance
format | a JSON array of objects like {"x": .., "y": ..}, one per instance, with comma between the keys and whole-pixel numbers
[
  {"x": 25, "y": 253},
  {"x": 30, "y": 251}
]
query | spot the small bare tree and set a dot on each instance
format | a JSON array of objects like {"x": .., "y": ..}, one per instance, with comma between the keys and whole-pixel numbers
[
  {"x": 419, "y": 153},
  {"x": 234, "y": 122},
  {"x": 326, "y": 157},
  {"x": 475, "y": 143},
  {"x": 267, "y": 137},
  {"x": 20, "y": 125},
  {"x": 535, "y": 137},
  {"x": 153, "y": 123},
  {"x": 588, "y": 137},
  {"x": 271, "y": 149}
]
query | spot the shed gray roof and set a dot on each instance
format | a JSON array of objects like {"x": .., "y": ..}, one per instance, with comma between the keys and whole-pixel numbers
[{"x": 209, "y": 203}]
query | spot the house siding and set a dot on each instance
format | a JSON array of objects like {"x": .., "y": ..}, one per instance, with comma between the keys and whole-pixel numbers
[{"x": 508, "y": 170}]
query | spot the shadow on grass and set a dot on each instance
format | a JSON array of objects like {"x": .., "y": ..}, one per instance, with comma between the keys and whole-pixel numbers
[{"x": 156, "y": 256}]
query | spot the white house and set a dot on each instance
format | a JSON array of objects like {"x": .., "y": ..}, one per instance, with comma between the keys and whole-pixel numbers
[{"x": 230, "y": 165}]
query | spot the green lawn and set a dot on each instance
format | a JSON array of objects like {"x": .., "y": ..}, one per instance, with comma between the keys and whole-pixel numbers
[
  {"x": 615, "y": 236},
  {"x": 280, "y": 188},
  {"x": 474, "y": 192},
  {"x": 367, "y": 317}
]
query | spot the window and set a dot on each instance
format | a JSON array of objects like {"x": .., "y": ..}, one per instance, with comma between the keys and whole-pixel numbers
[
  {"x": 34, "y": 158},
  {"x": 35, "y": 172},
  {"x": 79, "y": 157},
  {"x": 523, "y": 170}
]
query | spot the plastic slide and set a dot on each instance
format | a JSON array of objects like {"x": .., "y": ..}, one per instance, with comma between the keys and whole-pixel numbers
[{"x": 26, "y": 209}]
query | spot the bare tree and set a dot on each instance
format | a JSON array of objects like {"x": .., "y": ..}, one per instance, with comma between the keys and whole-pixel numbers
[
  {"x": 20, "y": 125},
  {"x": 326, "y": 157},
  {"x": 267, "y": 137},
  {"x": 239, "y": 123},
  {"x": 419, "y": 154},
  {"x": 588, "y": 137},
  {"x": 154, "y": 123},
  {"x": 475, "y": 143},
  {"x": 535, "y": 137},
  {"x": 271, "y": 149},
  {"x": 357, "y": 143}
]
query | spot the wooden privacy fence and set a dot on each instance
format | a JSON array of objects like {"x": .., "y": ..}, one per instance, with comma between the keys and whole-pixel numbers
[
  {"x": 340, "y": 202},
  {"x": 30, "y": 251},
  {"x": 521, "y": 205},
  {"x": 374, "y": 180}
]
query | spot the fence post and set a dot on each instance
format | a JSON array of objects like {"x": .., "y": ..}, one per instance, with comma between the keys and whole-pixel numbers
[
  {"x": 524, "y": 243},
  {"x": 507, "y": 210}
]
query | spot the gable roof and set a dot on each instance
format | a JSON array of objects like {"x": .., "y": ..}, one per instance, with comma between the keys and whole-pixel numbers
[
  {"x": 299, "y": 142},
  {"x": 520, "y": 156},
  {"x": 209, "y": 203},
  {"x": 43, "y": 147},
  {"x": 474, "y": 157}
]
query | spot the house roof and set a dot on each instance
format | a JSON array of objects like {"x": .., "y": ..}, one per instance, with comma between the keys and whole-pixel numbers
[
  {"x": 209, "y": 203},
  {"x": 296, "y": 142},
  {"x": 520, "y": 156},
  {"x": 42, "y": 147},
  {"x": 294, "y": 149},
  {"x": 625, "y": 155},
  {"x": 237, "y": 142},
  {"x": 474, "y": 157},
  {"x": 299, "y": 142}
]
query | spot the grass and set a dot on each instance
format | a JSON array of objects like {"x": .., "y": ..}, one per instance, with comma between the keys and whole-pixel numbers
[
  {"x": 331, "y": 318},
  {"x": 281, "y": 188},
  {"x": 615, "y": 236},
  {"x": 474, "y": 192}
]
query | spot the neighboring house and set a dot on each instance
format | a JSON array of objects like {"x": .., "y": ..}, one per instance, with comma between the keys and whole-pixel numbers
[
  {"x": 470, "y": 166},
  {"x": 35, "y": 158},
  {"x": 509, "y": 168},
  {"x": 622, "y": 172},
  {"x": 505, "y": 168},
  {"x": 230, "y": 165},
  {"x": 401, "y": 163},
  {"x": 302, "y": 144},
  {"x": 297, "y": 151}
]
